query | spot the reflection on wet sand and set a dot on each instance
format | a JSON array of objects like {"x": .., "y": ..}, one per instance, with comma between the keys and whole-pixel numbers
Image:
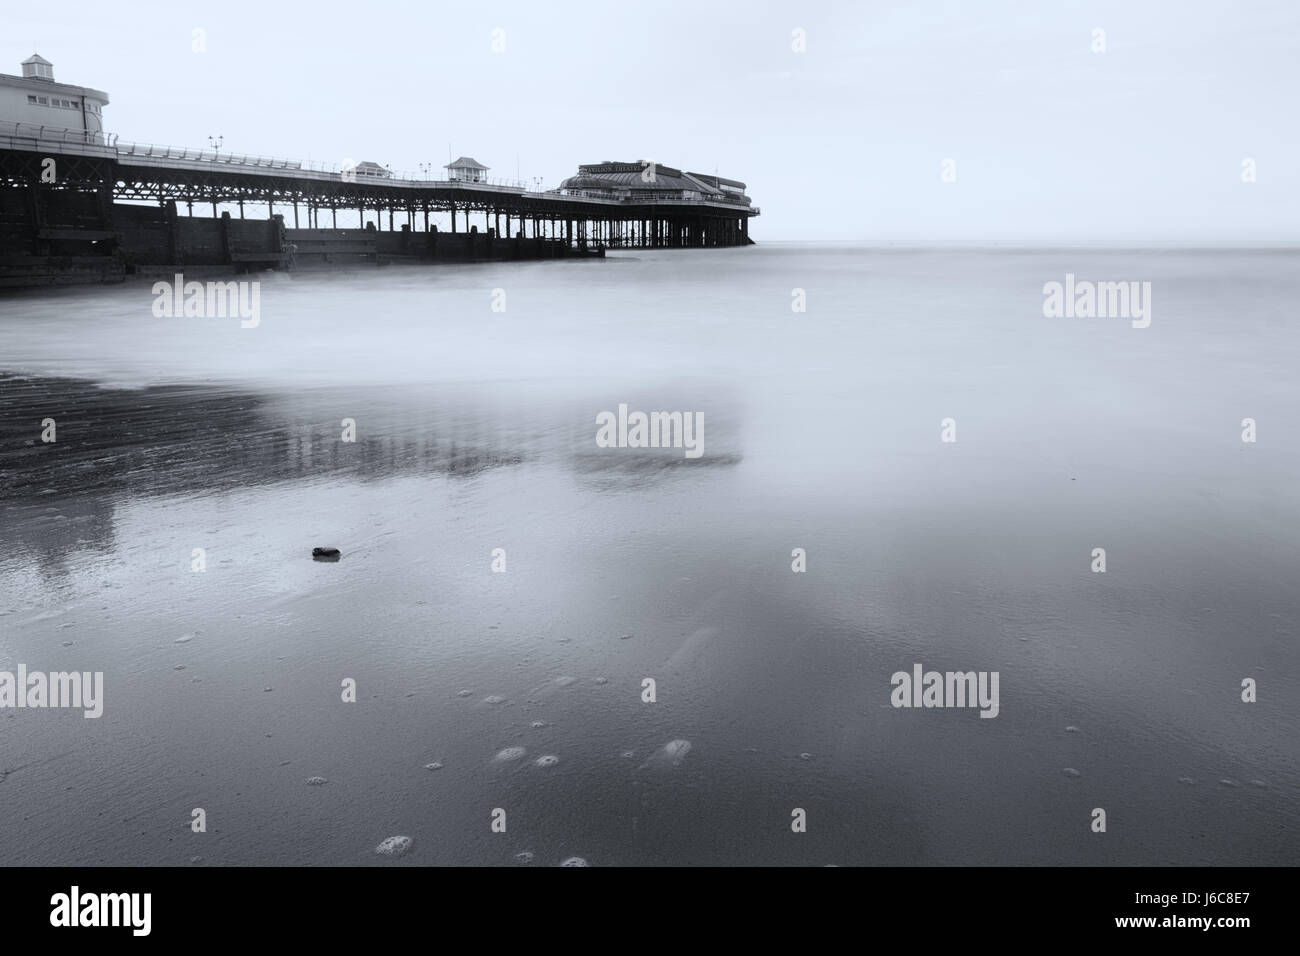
[{"x": 116, "y": 443}]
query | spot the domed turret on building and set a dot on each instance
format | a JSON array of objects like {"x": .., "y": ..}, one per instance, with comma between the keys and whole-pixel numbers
[{"x": 37, "y": 100}]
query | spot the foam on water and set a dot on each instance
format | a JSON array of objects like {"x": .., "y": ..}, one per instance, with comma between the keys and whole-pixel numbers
[
  {"x": 316, "y": 781},
  {"x": 547, "y": 760},
  {"x": 510, "y": 753},
  {"x": 573, "y": 861}
]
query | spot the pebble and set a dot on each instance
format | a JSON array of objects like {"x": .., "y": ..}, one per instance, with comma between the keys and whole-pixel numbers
[{"x": 395, "y": 846}]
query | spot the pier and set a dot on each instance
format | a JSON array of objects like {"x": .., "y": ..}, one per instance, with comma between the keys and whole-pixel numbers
[{"x": 77, "y": 206}]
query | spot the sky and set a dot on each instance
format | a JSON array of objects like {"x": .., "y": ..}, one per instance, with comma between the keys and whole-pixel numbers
[{"x": 997, "y": 120}]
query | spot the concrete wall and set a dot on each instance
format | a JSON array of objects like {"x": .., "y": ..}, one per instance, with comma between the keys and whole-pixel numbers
[{"x": 79, "y": 237}]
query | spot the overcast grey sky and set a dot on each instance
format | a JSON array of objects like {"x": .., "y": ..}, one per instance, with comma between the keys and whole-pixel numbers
[{"x": 845, "y": 140}]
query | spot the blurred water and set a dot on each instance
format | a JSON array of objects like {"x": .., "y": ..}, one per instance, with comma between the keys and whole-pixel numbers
[{"x": 475, "y": 431}]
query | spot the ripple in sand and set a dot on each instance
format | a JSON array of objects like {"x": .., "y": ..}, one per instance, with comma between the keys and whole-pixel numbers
[
  {"x": 316, "y": 781},
  {"x": 1070, "y": 772},
  {"x": 547, "y": 760},
  {"x": 433, "y": 766},
  {"x": 1258, "y": 783},
  {"x": 464, "y": 693},
  {"x": 564, "y": 681},
  {"x": 395, "y": 846},
  {"x": 493, "y": 699},
  {"x": 510, "y": 753},
  {"x": 573, "y": 861},
  {"x": 184, "y": 638},
  {"x": 1228, "y": 783}
]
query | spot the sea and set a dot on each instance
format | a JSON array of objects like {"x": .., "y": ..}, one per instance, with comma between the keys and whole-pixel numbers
[{"x": 540, "y": 648}]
